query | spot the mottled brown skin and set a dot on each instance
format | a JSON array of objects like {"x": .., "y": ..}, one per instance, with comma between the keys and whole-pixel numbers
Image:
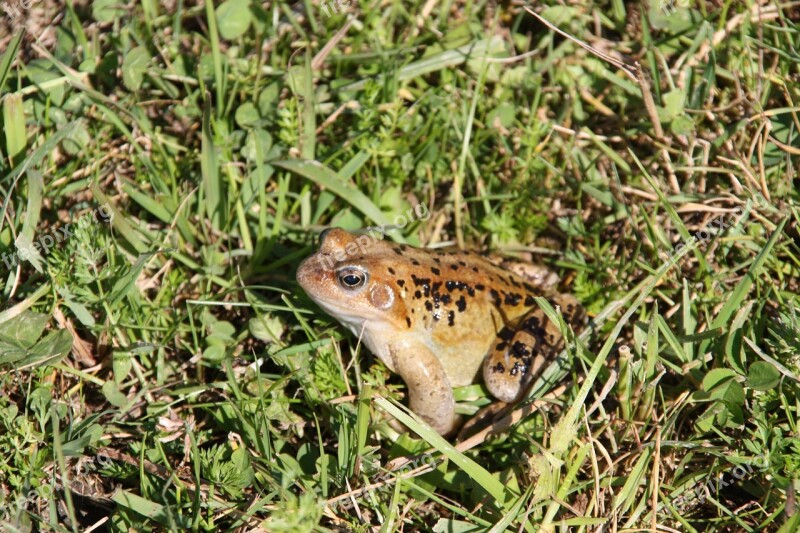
[{"x": 437, "y": 317}]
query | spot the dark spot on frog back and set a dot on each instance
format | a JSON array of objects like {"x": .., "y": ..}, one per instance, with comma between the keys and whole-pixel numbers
[
  {"x": 451, "y": 285},
  {"x": 420, "y": 281},
  {"x": 534, "y": 326},
  {"x": 506, "y": 334},
  {"x": 495, "y": 296}
]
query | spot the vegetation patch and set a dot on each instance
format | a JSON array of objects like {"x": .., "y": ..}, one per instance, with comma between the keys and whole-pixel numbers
[{"x": 165, "y": 166}]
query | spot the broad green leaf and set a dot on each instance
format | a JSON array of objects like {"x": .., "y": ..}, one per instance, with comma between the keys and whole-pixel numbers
[
  {"x": 682, "y": 125},
  {"x": 266, "y": 328},
  {"x": 11, "y": 353},
  {"x": 259, "y": 143},
  {"x": 78, "y": 139},
  {"x": 705, "y": 422},
  {"x": 268, "y": 99},
  {"x": 716, "y": 377},
  {"x": 23, "y": 330},
  {"x": 730, "y": 392},
  {"x": 504, "y": 114},
  {"x": 51, "y": 83},
  {"x": 17, "y": 349},
  {"x": 763, "y": 376},
  {"x": 775, "y": 363},
  {"x": 76, "y": 447},
  {"x": 241, "y": 459},
  {"x": 673, "y": 103},
  {"x": 247, "y": 115},
  {"x": 106, "y": 10},
  {"x": 233, "y": 18},
  {"x": 121, "y": 363},
  {"x": 134, "y": 67},
  {"x": 560, "y": 15},
  {"x": 114, "y": 395},
  {"x": 50, "y": 349},
  {"x": 214, "y": 353}
]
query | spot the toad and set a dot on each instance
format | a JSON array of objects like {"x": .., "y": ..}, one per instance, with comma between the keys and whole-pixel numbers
[{"x": 437, "y": 318}]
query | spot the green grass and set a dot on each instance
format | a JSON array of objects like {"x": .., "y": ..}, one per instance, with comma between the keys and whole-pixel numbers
[{"x": 160, "y": 369}]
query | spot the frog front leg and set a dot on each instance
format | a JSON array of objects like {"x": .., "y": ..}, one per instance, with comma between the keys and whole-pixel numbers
[
  {"x": 429, "y": 391},
  {"x": 520, "y": 354}
]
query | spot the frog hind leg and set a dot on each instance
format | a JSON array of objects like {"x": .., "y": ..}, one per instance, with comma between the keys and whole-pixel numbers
[{"x": 521, "y": 353}]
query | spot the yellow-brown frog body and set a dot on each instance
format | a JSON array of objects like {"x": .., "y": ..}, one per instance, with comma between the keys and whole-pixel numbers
[{"x": 436, "y": 317}]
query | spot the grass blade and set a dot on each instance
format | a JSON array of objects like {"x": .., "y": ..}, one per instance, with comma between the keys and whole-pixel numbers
[
  {"x": 8, "y": 57},
  {"x": 209, "y": 168},
  {"x": 325, "y": 177},
  {"x": 737, "y": 296},
  {"x": 25, "y": 239},
  {"x": 14, "y": 126},
  {"x": 447, "y": 59},
  {"x": 486, "y": 480}
]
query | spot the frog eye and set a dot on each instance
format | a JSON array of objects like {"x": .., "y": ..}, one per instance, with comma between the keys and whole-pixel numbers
[{"x": 352, "y": 278}]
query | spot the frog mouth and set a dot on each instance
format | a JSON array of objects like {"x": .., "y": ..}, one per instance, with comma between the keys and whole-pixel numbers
[{"x": 356, "y": 324}]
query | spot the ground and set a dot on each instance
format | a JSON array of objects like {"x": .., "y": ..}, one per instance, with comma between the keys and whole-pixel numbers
[{"x": 165, "y": 167}]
